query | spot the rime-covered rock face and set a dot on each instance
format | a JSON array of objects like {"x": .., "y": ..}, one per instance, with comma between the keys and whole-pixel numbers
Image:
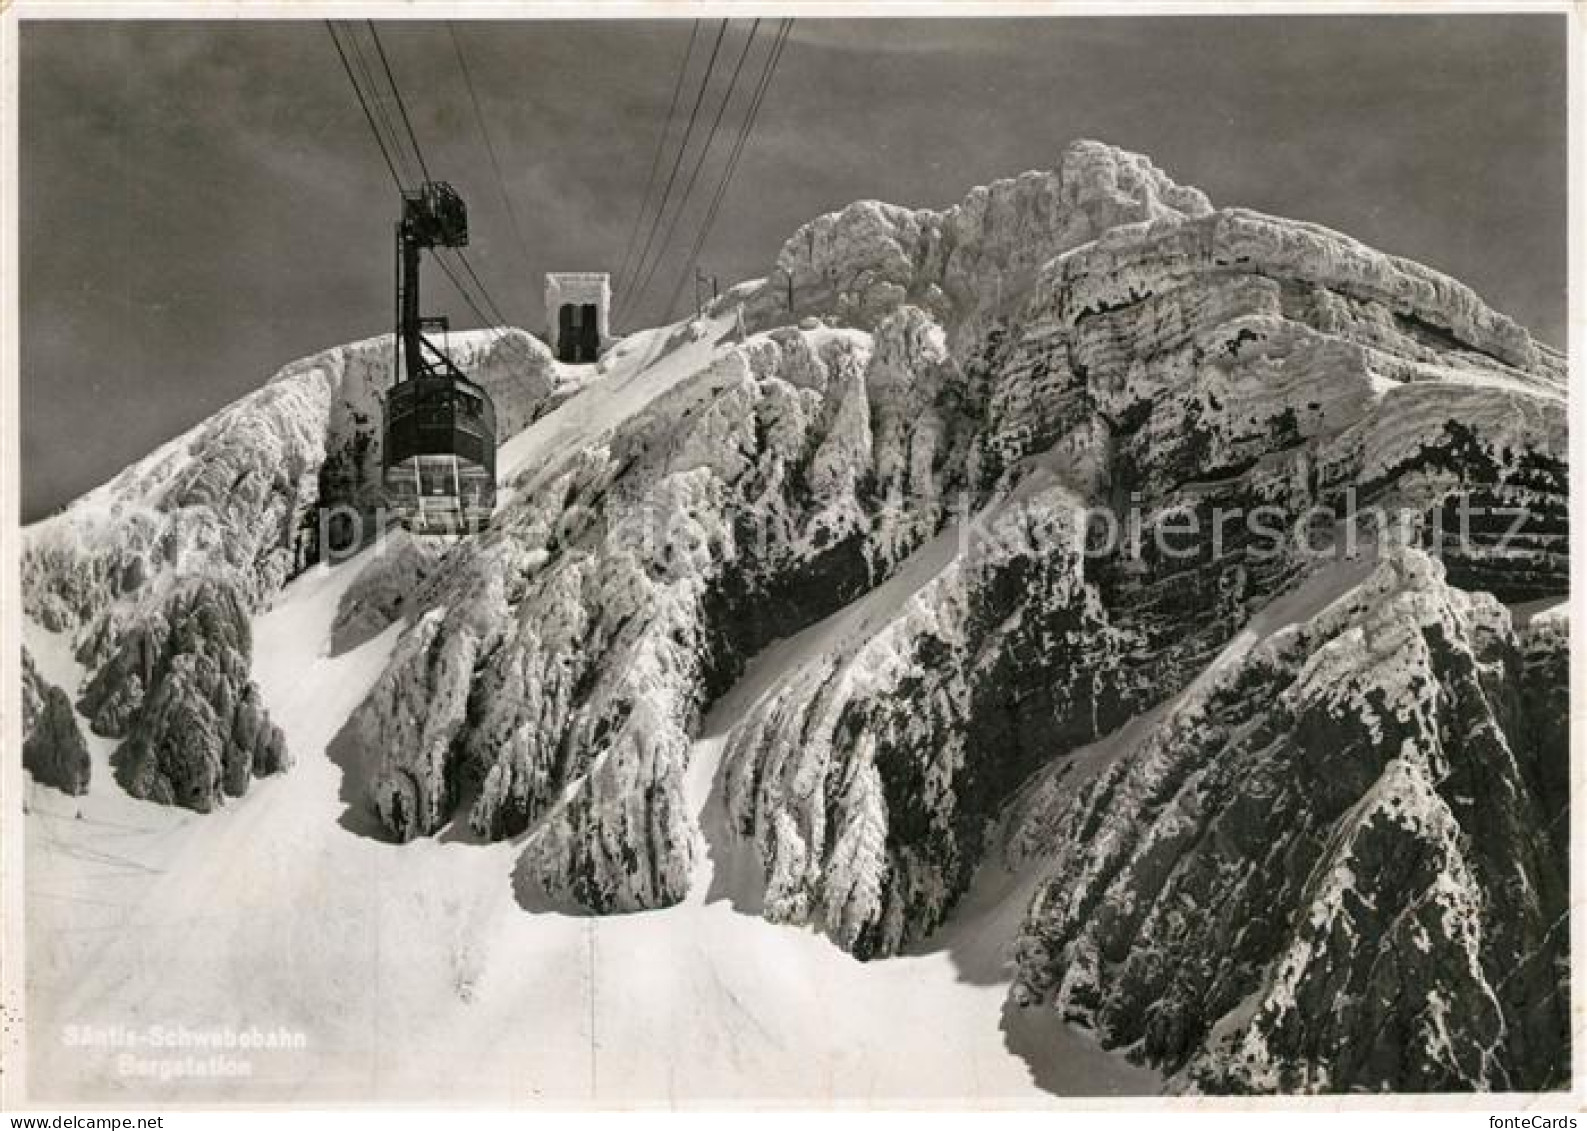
[
  {"x": 53, "y": 750},
  {"x": 156, "y": 573},
  {"x": 1200, "y": 366},
  {"x": 177, "y": 689},
  {"x": 1326, "y": 868},
  {"x": 384, "y": 588},
  {"x": 1054, "y": 456},
  {"x": 239, "y": 492},
  {"x": 1093, "y": 336}
]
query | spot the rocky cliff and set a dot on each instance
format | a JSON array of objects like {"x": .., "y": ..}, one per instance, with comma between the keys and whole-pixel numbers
[
  {"x": 155, "y": 574},
  {"x": 1061, "y": 450}
]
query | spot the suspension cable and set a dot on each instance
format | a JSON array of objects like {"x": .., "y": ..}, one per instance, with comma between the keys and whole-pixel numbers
[
  {"x": 363, "y": 102},
  {"x": 490, "y": 149},
  {"x": 490, "y": 302},
  {"x": 402, "y": 106}
]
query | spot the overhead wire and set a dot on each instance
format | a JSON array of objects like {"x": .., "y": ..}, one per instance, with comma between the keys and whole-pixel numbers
[
  {"x": 746, "y": 129},
  {"x": 490, "y": 302},
  {"x": 402, "y": 106},
  {"x": 462, "y": 290},
  {"x": 382, "y": 110},
  {"x": 479, "y": 299},
  {"x": 683, "y": 146}
]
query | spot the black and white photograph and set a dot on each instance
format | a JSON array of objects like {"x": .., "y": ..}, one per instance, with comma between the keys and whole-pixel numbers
[{"x": 705, "y": 556}]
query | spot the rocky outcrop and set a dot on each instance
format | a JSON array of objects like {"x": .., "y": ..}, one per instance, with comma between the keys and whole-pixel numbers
[
  {"x": 868, "y": 778},
  {"x": 53, "y": 750},
  {"x": 1090, "y": 339},
  {"x": 34, "y": 688},
  {"x": 1545, "y": 713},
  {"x": 385, "y": 588},
  {"x": 1325, "y": 869}
]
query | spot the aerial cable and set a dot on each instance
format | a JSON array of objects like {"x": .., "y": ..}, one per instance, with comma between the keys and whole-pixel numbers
[
  {"x": 655, "y": 160},
  {"x": 496, "y": 333},
  {"x": 630, "y": 298},
  {"x": 746, "y": 128},
  {"x": 386, "y": 151},
  {"x": 699, "y": 164},
  {"x": 463, "y": 291},
  {"x": 683, "y": 146},
  {"x": 380, "y": 102},
  {"x": 402, "y": 107},
  {"x": 479, "y": 117}
]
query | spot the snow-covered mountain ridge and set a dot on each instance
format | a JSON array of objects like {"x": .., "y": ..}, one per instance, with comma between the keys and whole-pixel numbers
[{"x": 925, "y": 408}]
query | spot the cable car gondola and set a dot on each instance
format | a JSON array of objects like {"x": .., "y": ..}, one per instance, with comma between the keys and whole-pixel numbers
[{"x": 438, "y": 455}]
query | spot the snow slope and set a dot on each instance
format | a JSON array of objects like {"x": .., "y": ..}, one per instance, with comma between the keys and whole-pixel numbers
[{"x": 496, "y": 1005}]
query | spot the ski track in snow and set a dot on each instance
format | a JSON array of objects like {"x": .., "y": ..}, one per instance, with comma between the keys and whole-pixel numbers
[
  {"x": 412, "y": 972},
  {"x": 638, "y": 373}
]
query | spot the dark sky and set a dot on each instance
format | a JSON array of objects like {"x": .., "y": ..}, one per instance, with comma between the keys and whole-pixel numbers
[{"x": 202, "y": 202}]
